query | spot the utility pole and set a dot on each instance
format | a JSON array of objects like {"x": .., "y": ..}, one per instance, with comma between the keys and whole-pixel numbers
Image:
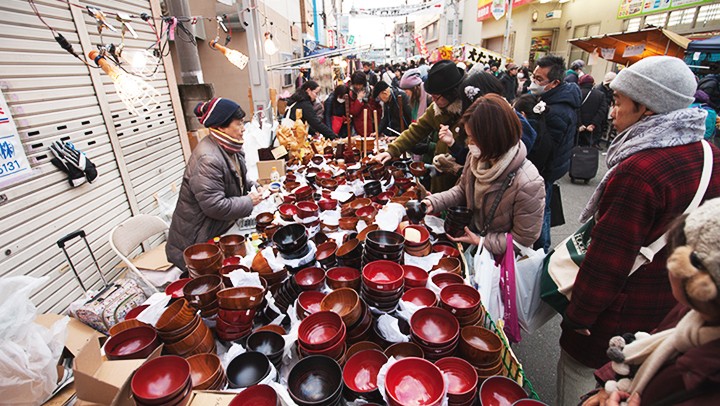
[
  {"x": 258, "y": 73},
  {"x": 508, "y": 26},
  {"x": 190, "y": 68}
]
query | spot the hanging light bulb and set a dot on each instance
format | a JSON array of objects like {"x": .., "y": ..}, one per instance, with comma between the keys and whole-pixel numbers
[
  {"x": 135, "y": 93},
  {"x": 236, "y": 58},
  {"x": 270, "y": 47}
]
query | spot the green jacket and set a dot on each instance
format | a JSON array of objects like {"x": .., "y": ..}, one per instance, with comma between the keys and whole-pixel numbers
[{"x": 420, "y": 130}]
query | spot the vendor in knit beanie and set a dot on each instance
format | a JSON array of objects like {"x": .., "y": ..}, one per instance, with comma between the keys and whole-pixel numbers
[{"x": 216, "y": 188}]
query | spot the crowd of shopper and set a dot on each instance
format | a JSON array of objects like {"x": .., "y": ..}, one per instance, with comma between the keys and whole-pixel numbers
[{"x": 496, "y": 140}]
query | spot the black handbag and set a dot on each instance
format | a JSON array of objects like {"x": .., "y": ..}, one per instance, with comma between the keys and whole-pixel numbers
[{"x": 557, "y": 216}]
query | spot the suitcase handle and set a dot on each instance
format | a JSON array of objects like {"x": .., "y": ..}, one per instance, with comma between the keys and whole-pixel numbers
[{"x": 79, "y": 233}]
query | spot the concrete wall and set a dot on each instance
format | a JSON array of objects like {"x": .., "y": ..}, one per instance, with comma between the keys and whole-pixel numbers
[
  {"x": 227, "y": 80},
  {"x": 574, "y": 13}
]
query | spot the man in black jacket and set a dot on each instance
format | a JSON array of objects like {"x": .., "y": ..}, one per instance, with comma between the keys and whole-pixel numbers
[
  {"x": 510, "y": 82},
  {"x": 396, "y": 114},
  {"x": 563, "y": 101},
  {"x": 593, "y": 112},
  {"x": 372, "y": 78}
]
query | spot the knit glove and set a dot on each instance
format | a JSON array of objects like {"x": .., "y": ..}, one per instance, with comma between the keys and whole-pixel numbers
[
  {"x": 73, "y": 162},
  {"x": 446, "y": 164}
]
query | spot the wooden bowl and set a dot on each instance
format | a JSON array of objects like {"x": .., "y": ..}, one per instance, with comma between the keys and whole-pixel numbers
[
  {"x": 451, "y": 265},
  {"x": 159, "y": 380},
  {"x": 404, "y": 350},
  {"x": 362, "y": 235},
  {"x": 202, "y": 291},
  {"x": 204, "y": 369},
  {"x": 479, "y": 345},
  {"x": 232, "y": 245},
  {"x": 348, "y": 223},
  {"x": 241, "y": 297},
  {"x": 202, "y": 256},
  {"x": 343, "y": 277},
  {"x": 179, "y": 314},
  {"x": 133, "y": 343},
  {"x": 345, "y": 302}
]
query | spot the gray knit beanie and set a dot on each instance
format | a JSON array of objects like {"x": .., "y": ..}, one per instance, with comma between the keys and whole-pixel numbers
[
  {"x": 702, "y": 232},
  {"x": 661, "y": 83}
]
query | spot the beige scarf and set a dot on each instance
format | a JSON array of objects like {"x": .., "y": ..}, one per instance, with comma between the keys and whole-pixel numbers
[
  {"x": 653, "y": 351},
  {"x": 487, "y": 173}
]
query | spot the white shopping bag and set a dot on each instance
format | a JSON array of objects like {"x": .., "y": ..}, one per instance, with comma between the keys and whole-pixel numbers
[
  {"x": 532, "y": 311},
  {"x": 487, "y": 279}
]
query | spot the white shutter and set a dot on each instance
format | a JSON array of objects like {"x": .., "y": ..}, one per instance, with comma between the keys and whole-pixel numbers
[{"x": 53, "y": 96}]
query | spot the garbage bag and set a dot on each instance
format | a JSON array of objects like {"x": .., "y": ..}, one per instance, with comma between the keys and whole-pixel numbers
[{"x": 29, "y": 352}]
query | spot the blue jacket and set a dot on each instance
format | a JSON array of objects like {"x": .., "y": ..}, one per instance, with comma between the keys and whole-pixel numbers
[{"x": 561, "y": 118}]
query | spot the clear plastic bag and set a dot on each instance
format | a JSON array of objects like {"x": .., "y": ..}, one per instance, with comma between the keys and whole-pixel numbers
[{"x": 29, "y": 351}]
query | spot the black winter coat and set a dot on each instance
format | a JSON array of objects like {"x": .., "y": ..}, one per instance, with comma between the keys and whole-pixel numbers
[
  {"x": 510, "y": 86},
  {"x": 309, "y": 115},
  {"x": 391, "y": 113},
  {"x": 335, "y": 110},
  {"x": 561, "y": 121},
  {"x": 212, "y": 197},
  {"x": 593, "y": 109}
]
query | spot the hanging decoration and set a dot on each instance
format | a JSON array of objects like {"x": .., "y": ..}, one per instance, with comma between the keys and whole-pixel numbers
[
  {"x": 135, "y": 93},
  {"x": 397, "y": 11}
]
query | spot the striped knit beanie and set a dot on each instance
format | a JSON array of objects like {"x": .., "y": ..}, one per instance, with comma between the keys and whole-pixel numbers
[{"x": 215, "y": 112}]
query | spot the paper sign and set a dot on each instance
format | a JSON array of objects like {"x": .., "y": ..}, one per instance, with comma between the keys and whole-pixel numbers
[
  {"x": 696, "y": 56},
  {"x": 607, "y": 53},
  {"x": 13, "y": 162},
  {"x": 593, "y": 58},
  {"x": 633, "y": 50}
]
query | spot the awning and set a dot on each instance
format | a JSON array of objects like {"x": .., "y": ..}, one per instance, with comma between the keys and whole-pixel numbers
[
  {"x": 629, "y": 47},
  {"x": 710, "y": 45}
]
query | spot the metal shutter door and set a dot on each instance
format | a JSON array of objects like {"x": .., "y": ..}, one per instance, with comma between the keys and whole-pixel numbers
[{"x": 53, "y": 96}]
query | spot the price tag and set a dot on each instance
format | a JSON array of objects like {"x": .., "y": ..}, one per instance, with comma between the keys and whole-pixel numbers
[{"x": 13, "y": 162}]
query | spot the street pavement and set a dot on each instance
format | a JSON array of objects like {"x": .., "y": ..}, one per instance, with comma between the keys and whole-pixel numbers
[{"x": 540, "y": 351}]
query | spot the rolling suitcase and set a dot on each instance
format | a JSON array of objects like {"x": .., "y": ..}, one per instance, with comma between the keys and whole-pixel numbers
[
  {"x": 109, "y": 306},
  {"x": 584, "y": 163}
]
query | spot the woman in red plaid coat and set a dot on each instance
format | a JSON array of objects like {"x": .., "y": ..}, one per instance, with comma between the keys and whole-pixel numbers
[{"x": 654, "y": 169}]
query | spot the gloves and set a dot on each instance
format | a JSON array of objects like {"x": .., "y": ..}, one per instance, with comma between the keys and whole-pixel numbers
[
  {"x": 73, "y": 162},
  {"x": 420, "y": 148},
  {"x": 446, "y": 164}
]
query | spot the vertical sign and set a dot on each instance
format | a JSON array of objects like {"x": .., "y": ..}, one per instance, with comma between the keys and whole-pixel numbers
[{"x": 13, "y": 162}]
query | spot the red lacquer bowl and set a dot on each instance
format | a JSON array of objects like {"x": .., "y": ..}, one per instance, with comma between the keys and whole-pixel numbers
[
  {"x": 414, "y": 381},
  {"x": 361, "y": 370}
]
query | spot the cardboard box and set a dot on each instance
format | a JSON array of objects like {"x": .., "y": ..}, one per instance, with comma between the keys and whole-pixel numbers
[
  {"x": 153, "y": 260},
  {"x": 198, "y": 398},
  {"x": 98, "y": 380},
  {"x": 265, "y": 168}
]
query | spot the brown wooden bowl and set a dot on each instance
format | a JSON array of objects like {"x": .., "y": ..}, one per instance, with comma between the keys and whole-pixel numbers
[
  {"x": 348, "y": 223},
  {"x": 350, "y": 249},
  {"x": 177, "y": 335},
  {"x": 204, "y": 369},
  {"x": 202, "y": 291},
  {"x": 326, "y": 250},
  {"x": 189, "y": 342},
  {"x": 176, "y": 316},
  {"x": 451, "y": 265},
  {"x": 367, "y": 230},
  {"x": 273, "y": 327},
  {"x": 479, "y": 346},
  {"x": 361, "y": 346},
  {"x": 404, "y": 350},
  {"x": 202, "y": 256},
  {"x": 345, "y": 302},
  {"x": 241, "y": 297},
  {"x": 260, "y": 264},
  {"x": 232, "y": 244}
]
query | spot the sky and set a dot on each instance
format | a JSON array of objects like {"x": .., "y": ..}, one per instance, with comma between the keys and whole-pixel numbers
[{"x": 371, "y": 30}]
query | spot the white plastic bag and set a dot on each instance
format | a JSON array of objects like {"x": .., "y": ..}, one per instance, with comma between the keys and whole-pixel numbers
[
  {"x": 29, "y": 352},
  {"x": 532, "y": 311},
  {"x": 487, "y": 278}
]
